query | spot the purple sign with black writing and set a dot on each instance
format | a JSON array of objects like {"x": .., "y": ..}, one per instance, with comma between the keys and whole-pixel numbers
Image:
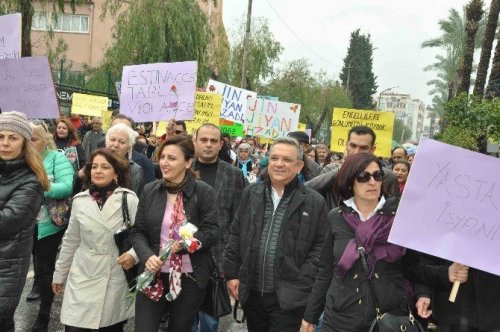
[
  {"x": 10, "y": 36},
  {"x": 450, "y": 206},
  {"x": 26, "y": 85},
  {"x": 159, "y": 91}
]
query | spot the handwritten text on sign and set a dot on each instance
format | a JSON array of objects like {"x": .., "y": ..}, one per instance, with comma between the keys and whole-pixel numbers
[
  {"x": 88, "y": 104},
  {"x": 206, "y": 110},
  {"x": 159, "y": 91},
  {"x": 271, "y": 119},
  {"x": 26, "y": 85},
  {"x": 234, "y": 102},
  {"x": 381, "y": 122},
  {"x": 450, "y": 206},
  {"x": 10, "y": 36}
]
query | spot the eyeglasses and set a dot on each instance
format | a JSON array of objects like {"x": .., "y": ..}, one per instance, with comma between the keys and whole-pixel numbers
[
  {"x": 365, "y": 176},
  {"x": 40, "y": 123}
]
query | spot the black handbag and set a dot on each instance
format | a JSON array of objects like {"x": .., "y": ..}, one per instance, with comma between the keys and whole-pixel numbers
[
  {"x": 387, "y": 322},
  {"x": 122, "y": 240},
  {"x": 216, "y": 303}
]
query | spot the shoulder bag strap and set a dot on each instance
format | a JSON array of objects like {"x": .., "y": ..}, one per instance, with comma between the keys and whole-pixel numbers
[
  {"x": 125, "y": 214},
  {"x": 361, "y": 251}
]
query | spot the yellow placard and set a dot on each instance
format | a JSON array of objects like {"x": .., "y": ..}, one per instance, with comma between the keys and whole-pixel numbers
[
  {"x": 88, "y": 104},
  {"x": 161, "y": 128},
  {"x": 207, "y": 108},
  {"x": 381, "y": 122},
  {"x": 301, "y": 127},
  {"x": 106, "y": 117}
]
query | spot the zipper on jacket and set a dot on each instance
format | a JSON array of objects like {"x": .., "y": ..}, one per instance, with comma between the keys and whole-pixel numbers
[{"x": 267, "y": 245}]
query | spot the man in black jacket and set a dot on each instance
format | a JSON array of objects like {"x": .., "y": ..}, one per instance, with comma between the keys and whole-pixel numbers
[
  {"x": 271, "y": 258},
  {"x": 228, "y": 182}
]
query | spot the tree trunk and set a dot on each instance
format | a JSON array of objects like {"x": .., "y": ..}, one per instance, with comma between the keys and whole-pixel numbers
[
  {"x": 474, "y": 12},
  {"x": 494, "y": 83},
  {"x": 489, "y": 36},
  {"x": 27, "y": 14}
]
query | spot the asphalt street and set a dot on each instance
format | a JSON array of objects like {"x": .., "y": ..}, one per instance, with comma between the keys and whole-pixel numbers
[{"x": 27, "y": 311}]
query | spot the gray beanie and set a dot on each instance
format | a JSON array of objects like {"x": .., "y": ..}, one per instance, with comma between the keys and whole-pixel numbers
[{"x": 17, "y": 123}]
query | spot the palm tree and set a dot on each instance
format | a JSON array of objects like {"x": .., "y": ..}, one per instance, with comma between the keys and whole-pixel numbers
[
  {"x": 474, "y": 13},
  {"x": 489, "y": 36},
  {"x": 494, "y": 82}
]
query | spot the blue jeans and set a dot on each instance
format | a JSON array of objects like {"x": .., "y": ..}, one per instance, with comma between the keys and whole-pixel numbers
[
  {"x": 207, "y": 323},
  {"x": 319, "y": 327}
]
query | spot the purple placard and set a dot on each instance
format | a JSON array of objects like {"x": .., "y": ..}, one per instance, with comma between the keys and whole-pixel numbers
[
  {"x": 10, "y": 36},
  {"x": 450, "y": 206},
  {"x": 26, "y": 85},
  {"x": 159, "y": 91}
]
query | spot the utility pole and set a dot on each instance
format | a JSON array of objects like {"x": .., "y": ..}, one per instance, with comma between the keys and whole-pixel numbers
[{"x": 246, "y": 47}]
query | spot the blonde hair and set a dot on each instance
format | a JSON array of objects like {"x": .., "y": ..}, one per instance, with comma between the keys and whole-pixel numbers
[
  {"x": 35, "y": 162},
  {"x": 44, "y": 133}
]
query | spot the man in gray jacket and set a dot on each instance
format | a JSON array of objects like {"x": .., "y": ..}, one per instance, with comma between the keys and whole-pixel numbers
[{"x": 271, "y": 258}]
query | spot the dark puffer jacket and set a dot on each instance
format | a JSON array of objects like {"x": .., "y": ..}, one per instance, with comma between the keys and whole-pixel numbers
[{"x": 21, "y": 196}]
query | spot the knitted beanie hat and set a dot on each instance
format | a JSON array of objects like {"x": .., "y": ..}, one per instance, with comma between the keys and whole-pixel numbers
[{"x": 16, "y": 122}]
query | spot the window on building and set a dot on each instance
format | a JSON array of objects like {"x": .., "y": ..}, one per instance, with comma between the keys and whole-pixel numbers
[{"x": 60, "y": 22}]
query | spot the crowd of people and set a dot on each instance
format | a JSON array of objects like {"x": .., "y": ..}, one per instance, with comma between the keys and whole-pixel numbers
[{"x": 286, "y": 223}]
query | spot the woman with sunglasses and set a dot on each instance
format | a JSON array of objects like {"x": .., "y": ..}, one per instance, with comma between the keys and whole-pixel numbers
[
  {"x": 48, "y": 236},
  {"x": 22, "y": 182},
  {"x": 364, "y": 218}
]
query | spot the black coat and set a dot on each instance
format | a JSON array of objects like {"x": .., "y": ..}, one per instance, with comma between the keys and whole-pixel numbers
[
  {"x": 21, "y": 196},
  {"x": 199, "y": 207},
  {"x": 302, "y": 234},
  {"x": 348, "y": 302},
  {"x": 478, "y": 300}
]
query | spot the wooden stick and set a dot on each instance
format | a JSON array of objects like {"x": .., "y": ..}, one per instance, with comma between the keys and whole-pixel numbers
[{"x": 454, "y": 291}]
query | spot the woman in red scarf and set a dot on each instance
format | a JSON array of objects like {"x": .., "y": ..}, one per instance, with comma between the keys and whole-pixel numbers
[
  {"x": 166, "y": 205},
  {"x": 363, "y": 219}
]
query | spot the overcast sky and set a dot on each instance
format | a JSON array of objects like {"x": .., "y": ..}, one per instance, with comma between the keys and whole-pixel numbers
[{"x": 397, "y": 28}]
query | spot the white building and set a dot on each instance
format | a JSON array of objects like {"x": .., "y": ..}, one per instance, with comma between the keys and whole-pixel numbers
[{"x": 410, "y": 111}]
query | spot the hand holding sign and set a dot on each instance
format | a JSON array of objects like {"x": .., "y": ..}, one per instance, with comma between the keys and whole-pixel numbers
[{"x": 457, "y": 274}]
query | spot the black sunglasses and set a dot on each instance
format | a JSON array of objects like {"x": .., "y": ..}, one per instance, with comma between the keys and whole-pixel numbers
[{"x": 365, "y": 176}]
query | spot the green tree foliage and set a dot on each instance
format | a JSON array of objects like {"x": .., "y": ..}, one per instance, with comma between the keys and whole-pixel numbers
[
  {"x": 479, "y": 118},
  {"x": 459, "y": 137},
  {"x": 316, "y": 92},
  {"x": 358, "y": 70},
  {"x": 263, "y": 57},
  {"x": 159, "y": 31}
]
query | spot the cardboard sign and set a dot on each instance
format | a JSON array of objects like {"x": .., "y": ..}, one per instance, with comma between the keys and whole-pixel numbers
[
  {"x": 234, "y": 100},
  {"x": 451, "y": 206},
  {"x": 159, "y": 91},
  {"x": 107, "y": 118},
  {"x": 10, "y": 36},
  {"x": 301, "y": 126},
  {"x": 270, "y": 118},
  {"x": 26, "y": 85},
  {"x": 88, "y": 104},
  {"x": 206, "y": 110},
  {"x": 231, "y": 128},
  {"x": 381, "y": 122}
]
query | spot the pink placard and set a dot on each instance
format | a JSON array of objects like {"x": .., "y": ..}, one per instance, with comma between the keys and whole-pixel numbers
[
  {"x": 450, "y": 206},
  {"x": 26, "y": 85},
  {"x": 159, "y": 91},
  {"x": 10, "y": 36}
]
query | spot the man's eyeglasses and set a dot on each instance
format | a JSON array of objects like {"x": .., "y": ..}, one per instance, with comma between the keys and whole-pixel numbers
[{"x": 365, "y": 176}]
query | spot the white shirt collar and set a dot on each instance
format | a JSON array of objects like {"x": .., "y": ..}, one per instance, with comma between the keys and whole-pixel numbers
[{"x": 350, "y": 203}]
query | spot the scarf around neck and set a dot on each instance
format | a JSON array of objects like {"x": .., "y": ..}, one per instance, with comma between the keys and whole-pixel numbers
[
  {"x": 175, "y": 188},
  {"x": 101, "y": 195},
  {"x": 175, "y": 270},
  {"x": 372, "y": 235}
]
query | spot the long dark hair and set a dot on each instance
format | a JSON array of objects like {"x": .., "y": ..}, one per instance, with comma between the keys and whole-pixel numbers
[
  {"x": 119, "y": 164},
  {"x": 352, "y": 166},
  {"x": 72, "y": 133}
]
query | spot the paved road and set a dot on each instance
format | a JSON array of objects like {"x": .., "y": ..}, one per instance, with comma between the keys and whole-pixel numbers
[{"x": 27, "y": 311}]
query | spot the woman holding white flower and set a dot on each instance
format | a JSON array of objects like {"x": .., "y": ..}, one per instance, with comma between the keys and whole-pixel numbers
[{"x": 178, "y": 209}]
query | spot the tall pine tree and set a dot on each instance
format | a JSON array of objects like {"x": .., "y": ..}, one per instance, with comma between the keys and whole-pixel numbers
[{"x": 357, "y": 76}]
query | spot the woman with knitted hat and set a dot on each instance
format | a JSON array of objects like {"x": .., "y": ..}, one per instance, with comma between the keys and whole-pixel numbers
[{"x": 22, "y": 182}]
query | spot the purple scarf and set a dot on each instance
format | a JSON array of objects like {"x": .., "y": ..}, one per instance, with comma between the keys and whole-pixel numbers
[{"x": 372, "y": 235}]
